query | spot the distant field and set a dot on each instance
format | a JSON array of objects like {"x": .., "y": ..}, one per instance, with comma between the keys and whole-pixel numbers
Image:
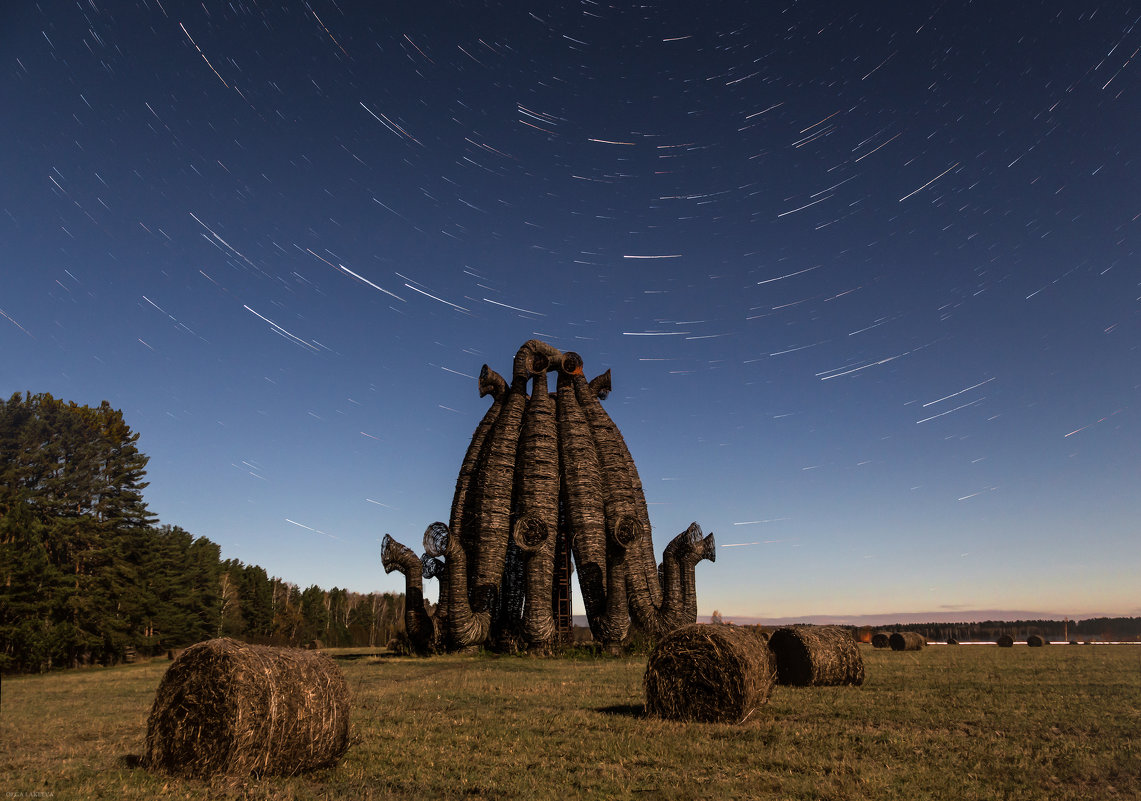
[{"x": 1061, "y": 722}]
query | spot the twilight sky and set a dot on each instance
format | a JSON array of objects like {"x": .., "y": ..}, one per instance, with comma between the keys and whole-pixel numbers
[{"x": 867, "y": 274}]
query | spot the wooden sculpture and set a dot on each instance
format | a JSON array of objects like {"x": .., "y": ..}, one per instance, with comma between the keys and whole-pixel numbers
[{"x": 546, "y": 476}]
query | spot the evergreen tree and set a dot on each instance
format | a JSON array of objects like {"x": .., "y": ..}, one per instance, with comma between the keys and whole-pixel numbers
[
  {"x": 33, "y": 631},
  {"x": 76, "y": 473},
  {"x": 86, "y": 573},
  {"x": 203, "y": 569},
  {"x": 257, "y": 603},
  {"x": 181, "y": 576},
  {"x": 337, "y": 629},
  {"x": 315, "y": 610}
]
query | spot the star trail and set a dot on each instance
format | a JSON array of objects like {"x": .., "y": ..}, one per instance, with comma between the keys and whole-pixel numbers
[{"x": 867, "y": 276}]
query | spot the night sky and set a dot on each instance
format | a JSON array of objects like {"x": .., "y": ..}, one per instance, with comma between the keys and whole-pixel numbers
[{"x": 867, "y": 274}]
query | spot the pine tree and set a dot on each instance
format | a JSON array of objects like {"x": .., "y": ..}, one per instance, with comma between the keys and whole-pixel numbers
[
  {"x": 86, "y": 573},
  {"x": 31, "y": 634},
  {"x": 315, "y": 610},
  {"x": 257, "y": 603},
  {"x": 77, "y": 474}
]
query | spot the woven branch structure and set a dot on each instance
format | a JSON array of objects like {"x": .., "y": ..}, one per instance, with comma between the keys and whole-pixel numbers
[{"x": 547, "y": 478}]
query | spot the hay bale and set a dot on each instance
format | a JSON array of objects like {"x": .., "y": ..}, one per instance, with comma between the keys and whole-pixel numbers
[
  {"x": 1004, "y": 641},
  {"x": 228, "y": 708},
  {"x": 1036, "y": 641},
  {"x": 879, "y": 640},
  {"x": 907, "y": 641},
  {"x": 760, "y": 633},
  {"x": 816, "y": 656},
  {"x": 708, "y": 673}
]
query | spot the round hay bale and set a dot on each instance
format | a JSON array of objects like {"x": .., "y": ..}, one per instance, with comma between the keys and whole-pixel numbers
[
  {"x": 1036, "y": 641},
  {"x": 759, "y": 633},
  {"x": 708, "y": 673},
  {"x": 228, "y": 708},
  {"x": 1004, "y": 641},
  {"x": 818, "y": 656},
  {"x": 907, "y": 641},
  {"x": 879, "y": 640}
]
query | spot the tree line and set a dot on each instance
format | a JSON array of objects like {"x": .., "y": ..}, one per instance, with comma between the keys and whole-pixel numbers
[{"x": 87, "y": 575}]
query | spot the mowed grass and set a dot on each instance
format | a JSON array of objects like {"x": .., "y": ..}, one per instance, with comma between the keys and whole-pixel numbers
[{"x": 967, "y": 722}]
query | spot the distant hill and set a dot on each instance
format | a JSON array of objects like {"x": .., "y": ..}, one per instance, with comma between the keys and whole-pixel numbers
[
  {"x": 977, "y": 625},
  {"x": 892, "y": 618}
]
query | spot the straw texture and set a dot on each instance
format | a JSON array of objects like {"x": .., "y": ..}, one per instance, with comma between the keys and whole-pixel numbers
[
  {"x": 816, "y": 656},
  {"x": 907, "y": 641},
  {"x": 228, "y": 708},
  {"x": 708, "y": 673}
]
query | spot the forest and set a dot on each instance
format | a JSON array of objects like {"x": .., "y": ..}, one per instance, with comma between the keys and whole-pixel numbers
[{"x": 89, "y": 576}]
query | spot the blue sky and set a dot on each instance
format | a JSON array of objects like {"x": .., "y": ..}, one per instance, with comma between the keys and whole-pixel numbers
[{"x": 867, "y": 277}]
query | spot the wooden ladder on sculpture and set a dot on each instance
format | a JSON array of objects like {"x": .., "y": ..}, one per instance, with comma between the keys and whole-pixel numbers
[{"x": 564, "y": 621}]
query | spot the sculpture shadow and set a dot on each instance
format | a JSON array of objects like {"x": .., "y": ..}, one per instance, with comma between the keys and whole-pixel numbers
[
  {"x": 356, "y": 657},
  {"x": 625, "y": 710}
]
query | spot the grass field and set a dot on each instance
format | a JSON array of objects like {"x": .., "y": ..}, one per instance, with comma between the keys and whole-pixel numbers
[{"x": 1061, "y": 722}]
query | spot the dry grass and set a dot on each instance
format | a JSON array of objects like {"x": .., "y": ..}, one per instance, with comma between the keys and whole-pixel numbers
[{"x": 971, "y": 723}]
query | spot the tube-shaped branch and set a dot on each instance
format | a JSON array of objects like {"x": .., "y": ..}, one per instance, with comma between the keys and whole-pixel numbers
[
  {"x": 420, "y": 626},
  {"x": 493, "y": 486},
  {"x": 537, "y": 505},
  {"x": 460, "y": 630},
  {"x": 679, "y": 584},
  {"x": 625, "y": 503},
  {"x": 604, "y": 599},
  {"x": 524, "y": 363}
]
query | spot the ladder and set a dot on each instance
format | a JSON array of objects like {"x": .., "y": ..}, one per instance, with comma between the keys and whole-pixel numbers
[{"x": 564, "y": 621}]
